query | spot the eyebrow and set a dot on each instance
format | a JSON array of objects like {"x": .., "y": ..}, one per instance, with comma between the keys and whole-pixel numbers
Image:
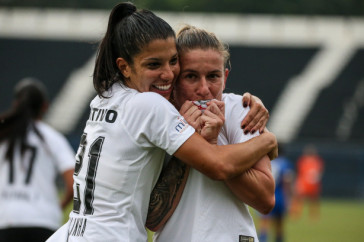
[
  {"x": 151, "y": 59},
  {"x": 158, "y": 59},
  {"x": 216, "y": 71},
  {"x": 189, "y": 70}
]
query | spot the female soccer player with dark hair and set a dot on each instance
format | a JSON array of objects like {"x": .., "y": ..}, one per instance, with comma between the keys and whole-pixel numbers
[
  {"x": 32, "y": 155},
  {"x": 130, "y": 129}
]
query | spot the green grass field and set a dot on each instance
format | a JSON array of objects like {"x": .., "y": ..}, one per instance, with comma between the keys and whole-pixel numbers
[{"x": 340, "y": 220}]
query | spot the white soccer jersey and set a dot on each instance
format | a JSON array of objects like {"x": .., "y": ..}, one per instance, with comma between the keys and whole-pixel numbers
[
  {"x": 119, "y": 160},
  {"x": 208, "y": 211},
  {"x": 30, "y": 198}
]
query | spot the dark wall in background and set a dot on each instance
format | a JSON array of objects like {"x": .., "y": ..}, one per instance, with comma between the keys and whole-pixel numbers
[{"x": 50, "y": 61}]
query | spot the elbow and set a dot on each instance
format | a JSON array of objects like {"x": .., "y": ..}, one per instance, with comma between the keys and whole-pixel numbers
[
  {"x": 269, "y": 200},
  {"x": 268, "y": 205}
]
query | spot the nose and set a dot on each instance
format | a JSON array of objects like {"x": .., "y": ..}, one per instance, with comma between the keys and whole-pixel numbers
[
  {"x": 167, "y": 73},
  {"x": 203, "y": 89}
]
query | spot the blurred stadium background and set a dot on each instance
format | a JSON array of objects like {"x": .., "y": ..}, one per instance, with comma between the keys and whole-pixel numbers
[{"x": 303, "y": 58}]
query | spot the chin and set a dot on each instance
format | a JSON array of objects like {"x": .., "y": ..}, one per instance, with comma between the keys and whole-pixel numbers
[{"x": 167, "y": 96}]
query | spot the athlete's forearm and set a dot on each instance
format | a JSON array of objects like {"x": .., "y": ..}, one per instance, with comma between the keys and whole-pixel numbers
[
  {"x": 251, "y": 152},
  {"x": 166, "y": 193},
  {"x": 255, "y": 187},
  {"x": 226, "y": 161}
]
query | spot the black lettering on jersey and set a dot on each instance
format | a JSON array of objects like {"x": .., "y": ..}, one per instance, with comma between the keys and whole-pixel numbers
[
  {"x": 111, "y": 116},
  {"x": 100, "y": 115},
  {"x": 77, "y": 227}
]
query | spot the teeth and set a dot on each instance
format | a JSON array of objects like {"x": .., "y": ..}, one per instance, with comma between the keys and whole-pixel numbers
[{"x": 163, "y": 87}]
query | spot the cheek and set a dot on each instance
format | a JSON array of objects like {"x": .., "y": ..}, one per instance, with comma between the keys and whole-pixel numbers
[
  {"x": 183, "y": 93},
  {"x": 149, "y": 77},
  {"x": 176, "y": 70},
  {"x": 145, "y": 80},
  {"x": 216, "y": 91}
]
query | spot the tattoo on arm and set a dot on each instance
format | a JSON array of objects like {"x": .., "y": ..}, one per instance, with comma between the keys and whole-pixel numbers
[{"x": 166, "y": 193}]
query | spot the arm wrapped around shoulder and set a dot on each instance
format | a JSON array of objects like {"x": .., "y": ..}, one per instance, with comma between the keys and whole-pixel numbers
[{"x": 225, "y": 161}]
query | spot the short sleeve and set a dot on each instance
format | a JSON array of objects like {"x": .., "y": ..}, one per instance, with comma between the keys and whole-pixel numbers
[
  {"x": 60, "y": 149},
  {"x": 153, "y": 121},
  {"x": 234, "y": 114}
]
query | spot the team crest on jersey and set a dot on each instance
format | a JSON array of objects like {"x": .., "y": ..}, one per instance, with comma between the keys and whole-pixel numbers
[
  {"x": 244, "y": 238},
  {"x": 182, "y": 125}
]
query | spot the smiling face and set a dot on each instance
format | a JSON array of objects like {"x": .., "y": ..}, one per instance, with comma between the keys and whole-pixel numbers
[
  {"x": 154, "y": 69},
  {"x": 203, "y": 76}
]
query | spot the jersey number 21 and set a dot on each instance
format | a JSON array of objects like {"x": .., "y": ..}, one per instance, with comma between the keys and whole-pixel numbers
[{"x": 92, "y": 163}]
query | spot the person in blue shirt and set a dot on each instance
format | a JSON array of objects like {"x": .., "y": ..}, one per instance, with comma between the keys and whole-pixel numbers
[{"x": 283, "y": 173}]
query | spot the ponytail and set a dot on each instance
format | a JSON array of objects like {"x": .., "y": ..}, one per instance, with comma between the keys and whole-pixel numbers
[
  {"x": 106, "y": 71},
  {"x": 30, "y": 97}
]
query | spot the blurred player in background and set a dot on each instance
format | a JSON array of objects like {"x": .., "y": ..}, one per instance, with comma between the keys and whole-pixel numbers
[
  {"x": 310, "y": 168},
  {"x": 32, "y": 155},
  {"x": 208, "y": 210},
  {"x": 283, "y": 174}
]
